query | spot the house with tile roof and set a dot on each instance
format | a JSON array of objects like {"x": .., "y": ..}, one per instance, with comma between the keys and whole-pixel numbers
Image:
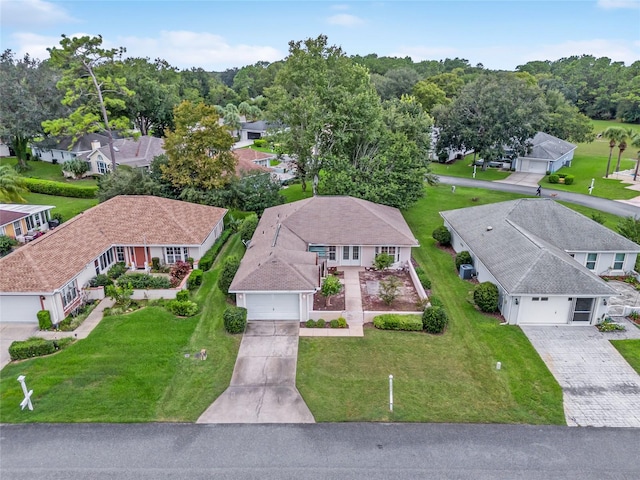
[
  {"x": 50, "y": 272},
  {"x": 545, "y": 259},
  {"x": 294, "y": 245},
  {"x": 20, "y": 221},
  {"x": 546, "y": 154}
]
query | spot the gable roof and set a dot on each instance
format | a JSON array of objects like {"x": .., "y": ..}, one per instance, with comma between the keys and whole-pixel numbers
[
  {"x": 548, "y": 147},
  {"x": 246, "y": 158},
  {"x": 10, "y": 212},
  {"x": 52, "y": 260},
  {"x": 135, "y": 153},
  {"x": 526, "y": 247},
  {"x": 278, "y": 259},
  {"x": 82, "y": 144}
]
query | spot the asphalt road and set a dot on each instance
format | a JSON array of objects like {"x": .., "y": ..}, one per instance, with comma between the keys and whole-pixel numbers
[
  {"x": 602, "y": 204},
  {"x": 321, "y": 451}
]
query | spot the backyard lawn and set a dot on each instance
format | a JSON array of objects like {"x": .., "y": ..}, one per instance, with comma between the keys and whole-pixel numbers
[
  {"x": 630, "y": 350},
  {"x": 66, "y": 206},
  {"x": 444, "y": 378},
  {"x": 47, "y": 171},
  {"x": 132, "y": 368}
]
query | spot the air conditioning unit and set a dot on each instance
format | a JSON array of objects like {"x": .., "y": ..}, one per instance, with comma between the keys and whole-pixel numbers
[{"x": 467, "y": 271}]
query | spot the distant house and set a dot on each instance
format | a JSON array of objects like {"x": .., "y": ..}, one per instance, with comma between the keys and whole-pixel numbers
[
  {"x": 247, "y": 156},
  {"x": 50, "y": 272},
  {"x": 5, "y": 151},
  {"x": 23, "y": 221},
  {"x": 547, "y": 154},
  {"x": 544, "y": 258},
  {"x": 64, "y": 149},
  {"x": 137, "y": 153},
  {"x": 253, "y": 130}
]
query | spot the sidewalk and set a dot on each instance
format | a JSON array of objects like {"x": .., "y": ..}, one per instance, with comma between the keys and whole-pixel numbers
[{"x": 87, "y": 326}]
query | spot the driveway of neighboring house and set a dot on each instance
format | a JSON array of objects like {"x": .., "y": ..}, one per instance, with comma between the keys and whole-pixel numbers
[
  {"x": 600, "y": 388},
  {"x": 524, "y": 179},
  {"x": 263, "y": 385},
  {"x": 10, "y": 332}
]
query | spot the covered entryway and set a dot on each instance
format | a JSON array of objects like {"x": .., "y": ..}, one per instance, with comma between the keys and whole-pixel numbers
[
  {"x": 273, "y": 306},
  {"x": 350, "y": 255},
  {"x": 582, "y": 310},
  {"x": 139, "y": 255}
]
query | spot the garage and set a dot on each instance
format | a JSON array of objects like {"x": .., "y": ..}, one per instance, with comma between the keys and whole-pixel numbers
[
  {"x": 530, "y": 165},
  {"x": 19, "y": 308},
  {"x": 273, "y": 306},
  {"x": 544, "y": 310}
]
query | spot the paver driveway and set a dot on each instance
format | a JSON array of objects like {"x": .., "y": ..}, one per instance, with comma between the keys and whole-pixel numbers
[
  {"x": 600, "y": 388},
  {"x": 263, "y": 385}
]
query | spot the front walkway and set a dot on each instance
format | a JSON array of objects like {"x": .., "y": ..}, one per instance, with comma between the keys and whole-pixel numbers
[
  {"x": 600, "y": 388},
  {"x": 263, "y": 385}
]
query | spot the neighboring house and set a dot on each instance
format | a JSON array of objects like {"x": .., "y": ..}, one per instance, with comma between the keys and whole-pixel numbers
[
  {"x": 249, "y": 160},
  {"x": 22, "y": 221},
  {"x": 4, "y": 149},
  {"x": 253, "y": 130},
  {"x": 547, "y": 154},
  {"x": 50, "y": 272},
  {"x": 545, "y": 259},
  {"x": 295, "y": 243},
  {"x": 66, "y": 149},
  {"x": 137, "y": 153}
]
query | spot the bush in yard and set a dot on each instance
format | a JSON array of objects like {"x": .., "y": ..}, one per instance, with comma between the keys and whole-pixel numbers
[
  {"x": 382, "y": 261},
  {"x": 59, "y": 189},
  {"x": 393, "y": 321},
  {"x": 117, "y": 270},
  {"x": 183, "y": 295},
  {"x": 120, "y": 293},
  {"x": 554, "y": 178},
  {"x": 142, "y": 281},
  {"x": 155, "y": 263},
  {"x": 333, "y": 323},
  {"x": 463, "y": 258},
  {"x": 320, "y": 323},
  {"x": 342, "y": 322},
  {"x": 260, "y": 143},
  {"x": 235, "y": 319},
  {"x": 6, "y": 245},
  {"x": 179, "y": 270},
  {"x": 195, "y": 279},
  {"x": 424, "y": 280},
  {"x": 248, "y": 226},
  {"x": 434, "y": 320},
  {"x": 389, "y": 289},
  {"x": 76, "y": 167},
  {"x": 569, "y": 179},
  {"x": 331, "y": 286},
  {"x": 101, "y": 280},
  {"x": 229, "y": 269},
  {"x": 208, "y": 258},
  {"x": 485, "y": 296},
  {"x": 442, "y": 235},
  {"x": 36, "y": 347},
  {"x": 44, "y": 320},
  {"x": 311, "y": 323},
  {"x": 182, "y": 308}
]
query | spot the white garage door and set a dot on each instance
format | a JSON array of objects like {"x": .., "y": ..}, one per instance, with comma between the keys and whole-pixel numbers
[
  {"x": 544, "y": 310},
  {"x": 273, "y": 306},
  {"x": 538, "y": 167},
  {"x": 19, "y": 308}
]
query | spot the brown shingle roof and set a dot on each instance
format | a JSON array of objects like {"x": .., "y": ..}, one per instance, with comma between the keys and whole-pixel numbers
[
  {"x": 246, "y": 158},
  {"x": 52, "y": 260},
  {"x": 7, "y": 217}
]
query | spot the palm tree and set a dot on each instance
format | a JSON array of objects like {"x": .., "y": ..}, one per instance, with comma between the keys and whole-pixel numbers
[
  {"x": 635, "y": 142},
  {"x": 625, "y": 135},
  {"x": 613, "y": 134},
  {"x": 11, "y": 185}
]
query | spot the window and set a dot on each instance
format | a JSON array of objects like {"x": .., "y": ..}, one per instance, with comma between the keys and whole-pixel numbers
[
  {"x": 176, "y": 254},
  {"x": 356, "y": 253},
  {"x": 120, "y": 254},
  {"x": 17, "y": 228},
  {"x": 106, "y": 259},
  {"x": 536, "y": 299},
  {"x": 345, "y": 253},
  {"x": 544, "y": 299},
  {"x": 591, "y": 261},
  {"x": 618, "y": 263},
  {"x": 34, "y": 221},
  {"x": 332, "y": 253},
  {"x": 102, "y": 167},
  {"x": 393, "y": 251},
  {"x": 69, "y": 293}
]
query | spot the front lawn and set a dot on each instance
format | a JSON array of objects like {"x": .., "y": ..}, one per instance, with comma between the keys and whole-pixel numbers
[
  {"x": 445, "y": 378},
  {"x": 132, "y": 368},
  {"x": 47, "y": 171},
  {"x": 630, "y": 350},
  {"x": 464, "y": 168}
]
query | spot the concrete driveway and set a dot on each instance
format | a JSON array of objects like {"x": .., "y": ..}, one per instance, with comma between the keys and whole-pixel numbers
[
  {"x": 263, "y": 385},
  {"x": 524, "y": 179},
  {"x": 10, "y": 332},
  {"x": 600, "y": 388}
]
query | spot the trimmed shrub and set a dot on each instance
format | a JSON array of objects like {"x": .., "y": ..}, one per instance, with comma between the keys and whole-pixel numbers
[
  {"x": 333, "y": 323},
  {"x": 248, "y": 226},
  {"x": 382, "y": 261},
  {"x": 320, "y": 323},
  {"x": 342, "y": 322},
  {"x": 485, "y": 296},
  {"x": 424, "y": 280},
  {"x": 569, "y": 179},
  {"x": 208, "y": 258},
  {"x": 442, "y": 235},
  {"x": 182, "y": 308},
  {"x": 36, "y": 347},
  {"x": 229, "y": 269},
  {"x": 195, "y": 279},
  {"x": 311, "y": 323},
  {"x": 101, "y": 280},
  {"x": 394, "y": 321},
  {"x": 117, "y": 270},
  {"x": 44, "y": 320},
  {"x": 183, "y": 295},
  {"x": 260, "y": 143},
  {"x": 155, "y": 263},
  {"x": 235, "y": 319},
  {"x": 434, "y": 320},
  {"x": 143, "y": 281},
  {"x": 463, "y": 258},
  {"x": 554, "y": 178},
  {"x": 59, "y": 189}
]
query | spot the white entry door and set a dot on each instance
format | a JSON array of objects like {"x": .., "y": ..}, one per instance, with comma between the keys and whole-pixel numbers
[{"x": 350, "y": 255}]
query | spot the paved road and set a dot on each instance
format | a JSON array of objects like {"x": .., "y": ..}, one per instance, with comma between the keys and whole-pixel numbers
[
  {"x": 327, "y": 451},
  {"x": 610, "y": 206}
]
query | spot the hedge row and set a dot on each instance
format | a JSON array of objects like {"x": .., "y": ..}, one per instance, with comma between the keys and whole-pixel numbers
[
  {"x": 49, "y": 187},
  {"x": 393, "y": 321},
  {"x": 143, "y": 281},
  {"x": 183, "y": 308},
  {"x": 36, "y": 347},
  {"x": 195, "y": 279},
  {"x": 208, "y": 258}
]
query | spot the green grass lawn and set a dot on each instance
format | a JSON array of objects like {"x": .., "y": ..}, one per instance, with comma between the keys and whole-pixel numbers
[
  {"x": 66, "y": 206},
  {"x": 464, "y": 168},
  {"x": 630, "y": 350},
  {"x": 444, "y": 378},
  {"x": 47, "y": 171},
  {"x": 132, "y": 367},
  {"x": 294, "y": 192}
]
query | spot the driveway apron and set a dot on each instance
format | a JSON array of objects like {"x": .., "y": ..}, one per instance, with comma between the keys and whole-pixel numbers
[
  {"x": 263, "y": 385},
  {"x": 600, "y": 388}
]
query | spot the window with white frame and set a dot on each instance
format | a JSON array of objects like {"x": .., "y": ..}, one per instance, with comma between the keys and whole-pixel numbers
[
  {"x": 17, "y": 228},
  {"x": 34, "y": 221},
  {"x": 618, "y": 262},
  {"x": 106, "y": 259},
  {"x": 345, "y": 253},
  {"x": 69, "y": 293},
  {"x": 393, "y": 251},
  {"x": 592, "y": 258},
  {"x": 119, "y": 254},
  {"x": 332, "y": 253},
  {"x": 176, "y": 254},
  {"x": 102, "y": 167}
]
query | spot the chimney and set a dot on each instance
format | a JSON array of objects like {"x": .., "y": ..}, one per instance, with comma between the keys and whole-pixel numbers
[{"x": 95, "y": 144}]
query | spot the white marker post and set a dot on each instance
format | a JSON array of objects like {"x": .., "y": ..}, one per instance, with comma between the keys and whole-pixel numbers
[
  {"x": 474, "y": 171},
  {"x": 27, "y": 394},
  {"x": 591, "y": 186},
  {"x": 391, "y": 393}
]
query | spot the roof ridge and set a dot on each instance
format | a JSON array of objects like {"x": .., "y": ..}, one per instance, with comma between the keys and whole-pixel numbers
[{"x": 368, "y": 206}]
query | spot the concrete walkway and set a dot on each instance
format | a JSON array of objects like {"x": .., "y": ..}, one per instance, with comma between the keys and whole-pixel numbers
[
  {"x": 263, "y": 385},
  {"x": 600, "y": 388}
]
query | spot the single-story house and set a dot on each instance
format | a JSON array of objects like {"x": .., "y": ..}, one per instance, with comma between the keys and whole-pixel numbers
[
  {"x": 50, "y": 272},
  {"x": 545, "y": 259},
  {"x": 63, "y": 149},
  {"x": 21, "y": 221},
  {"x": 252, "y": 160},
  {"x": 253, "y": 130},
  {"x": 138, "y": 153},
  {"x": 547, "y": 154},
  {"x": 295, "y": 243}
]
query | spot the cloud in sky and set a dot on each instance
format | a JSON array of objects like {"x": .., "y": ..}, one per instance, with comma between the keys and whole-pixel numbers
[
  {"x": 345, "y": 20},
  {"x": 33, "y": 13},
  {"x": 616, "y": 4}
]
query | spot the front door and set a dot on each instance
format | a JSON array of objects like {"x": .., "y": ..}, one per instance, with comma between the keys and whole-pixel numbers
[
  {"x": 582, "y": 309},
  {"x": 350, "y": 255},
  {"x": 140, "y": 257}
]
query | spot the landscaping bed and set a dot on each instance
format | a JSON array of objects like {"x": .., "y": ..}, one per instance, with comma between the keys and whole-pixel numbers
[
  {"x": 406, "y": 300},
  {"x": 337, "y": 302}
]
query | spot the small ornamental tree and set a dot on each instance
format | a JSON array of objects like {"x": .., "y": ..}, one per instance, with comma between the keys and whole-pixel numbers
[
  {"x": 121, "y": 294},
  {"x": 382, "y": 261},
  {"x": 76, "y": 167},
  {"x": 389, "y": 289},
  {"x": 486, "y": 296},
  {"x": 331, "y": 286},
  {"x": 442, "y": 235},
  {"x": 463, "y": 258}
]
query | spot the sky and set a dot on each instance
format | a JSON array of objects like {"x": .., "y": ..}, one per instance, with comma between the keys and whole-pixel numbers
[{"x": 216, "y": 35}]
